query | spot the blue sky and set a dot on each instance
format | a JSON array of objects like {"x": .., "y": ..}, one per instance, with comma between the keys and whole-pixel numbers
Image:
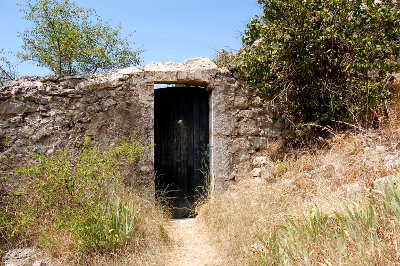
[{"x": 169, "y": 30}]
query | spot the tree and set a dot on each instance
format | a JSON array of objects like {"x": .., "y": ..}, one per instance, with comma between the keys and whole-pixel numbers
[
  {"x": 7, "y": 69},
  {"x": 330, "y": 60},
  {"x": 71, "y": 40}
]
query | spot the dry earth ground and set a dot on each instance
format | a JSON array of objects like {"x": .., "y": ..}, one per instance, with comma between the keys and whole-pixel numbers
[{"x": 191, "y": 245}]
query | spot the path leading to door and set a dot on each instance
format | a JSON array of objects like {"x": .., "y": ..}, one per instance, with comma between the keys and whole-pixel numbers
[{"x": 191, "y": 245}]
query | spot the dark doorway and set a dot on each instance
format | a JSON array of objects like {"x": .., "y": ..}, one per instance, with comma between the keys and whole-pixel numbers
[{"x": 181, "y": 116}]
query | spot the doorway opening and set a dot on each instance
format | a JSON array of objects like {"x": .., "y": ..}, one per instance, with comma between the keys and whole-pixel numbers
[{"x": 181, "y": 152}]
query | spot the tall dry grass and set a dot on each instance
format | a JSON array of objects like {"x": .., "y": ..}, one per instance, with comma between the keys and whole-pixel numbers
[{"x": 295, "y": 219}]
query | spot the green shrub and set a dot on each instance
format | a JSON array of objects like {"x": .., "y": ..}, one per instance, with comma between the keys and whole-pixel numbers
[
  {"x": 225, "y": 58},
  {"x": 105, "y": 230},
  {"x": 328, "y": 61},
  {"x": 80, "y": 195}
]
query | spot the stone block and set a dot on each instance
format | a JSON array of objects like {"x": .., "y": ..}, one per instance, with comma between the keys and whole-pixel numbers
[
  {"x": 353, "y": 190},
  {"x": 248, "y": 127},
  {"x": 382, "y": 182},
  {"x": 256, "y": 172},
  {"x": 241, "y": 102},
  {"x": 16, "y": 107},
  {"x": 261, "y": 161}
]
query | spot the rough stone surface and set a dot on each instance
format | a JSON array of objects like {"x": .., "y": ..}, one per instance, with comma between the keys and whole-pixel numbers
[
  {"x": 261, "y": 161},
  {"x": 39, "y": 263},
  {"x": 262, "y": 167},
  {"x": 353, "y": 190},
  {"x": 24, "y": 257},
  {"x": 256, "y": 172},
  {"x": 43, "y": 114}
]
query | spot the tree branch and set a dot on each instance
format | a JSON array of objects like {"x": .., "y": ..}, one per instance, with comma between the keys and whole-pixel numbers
[{"x": 6, "y": 73}]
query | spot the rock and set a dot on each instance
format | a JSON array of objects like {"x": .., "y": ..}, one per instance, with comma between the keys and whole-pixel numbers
[
  {"x": 245, "y": 114},
  {"x": 380, "y": 183},
  {"x": 39, "y": 263},
  {"x": 287, "y": 181},
  {"x": 16, "y": 107},
  {"x": 392, "y": 161},
  {"x": 20, "y": 257},
  {"x": 262, "y": 167},
  {"x": 241, "y": 102},
  {"x": 258, "y": 248},
  {"x": 245, "y": 157},
  {"x": 262, "y": 173},
  {"x": 248, "y": 127},
  {"x": 353, "y": 190},
  {"x": 259, "y": 143},
  {"x": 261, "y": 161},
  {"x": 145, "y": 168},
  {"x": 256, "y": 172},
  {"x": 240, "y": 146},
  {"x": 16, "y": 119}
]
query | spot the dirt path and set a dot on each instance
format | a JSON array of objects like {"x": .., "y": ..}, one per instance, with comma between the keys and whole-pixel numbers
[{"x": 191, "y": 245}]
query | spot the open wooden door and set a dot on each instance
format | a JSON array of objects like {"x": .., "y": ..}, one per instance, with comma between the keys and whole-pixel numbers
[{"x": 181, "y": 121}]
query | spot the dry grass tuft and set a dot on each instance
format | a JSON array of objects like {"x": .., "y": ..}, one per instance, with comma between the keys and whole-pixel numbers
[
  {"x": 262, "y": 222},
  {"x": 252, "y": 209}
]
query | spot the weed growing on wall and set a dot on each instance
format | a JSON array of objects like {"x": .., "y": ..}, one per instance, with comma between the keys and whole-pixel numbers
[
  {"x": 206, "y": 187},
  {"x": 204, "y": 191}
]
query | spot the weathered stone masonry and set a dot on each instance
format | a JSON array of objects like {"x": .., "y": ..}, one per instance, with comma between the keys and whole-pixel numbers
[{"x": 43, "y": 114}]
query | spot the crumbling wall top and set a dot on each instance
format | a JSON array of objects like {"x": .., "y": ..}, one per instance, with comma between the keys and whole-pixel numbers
[{"x": 197, "y": 71}]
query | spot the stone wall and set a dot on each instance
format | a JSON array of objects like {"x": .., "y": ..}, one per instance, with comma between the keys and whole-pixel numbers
[
  {"x": 44, "y": 114},
  {"x": 241, "y": 124}
]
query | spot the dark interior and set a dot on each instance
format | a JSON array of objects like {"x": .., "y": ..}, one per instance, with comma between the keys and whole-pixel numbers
[{"x": 181, "y": 129}]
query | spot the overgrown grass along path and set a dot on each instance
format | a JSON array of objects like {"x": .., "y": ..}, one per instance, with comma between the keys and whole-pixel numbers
[{"x": 191, "y": 244}]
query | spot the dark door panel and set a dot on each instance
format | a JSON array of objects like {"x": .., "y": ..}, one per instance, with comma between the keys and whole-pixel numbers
[{"x": 181, "y": 143}]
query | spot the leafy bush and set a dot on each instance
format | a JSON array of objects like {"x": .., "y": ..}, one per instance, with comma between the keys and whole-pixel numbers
[
  {"x": 327, "y": 60},
  {"x": 82, "y": 196}
]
